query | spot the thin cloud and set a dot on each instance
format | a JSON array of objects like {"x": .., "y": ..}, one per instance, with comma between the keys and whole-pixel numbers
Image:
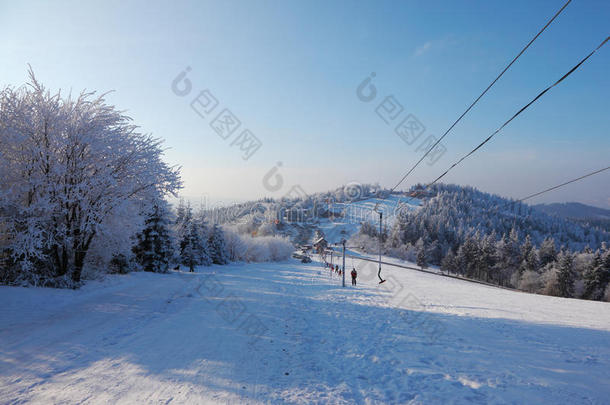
[
  {"x": 420, "y": 50},
  {"x": 433, "y": 44}
]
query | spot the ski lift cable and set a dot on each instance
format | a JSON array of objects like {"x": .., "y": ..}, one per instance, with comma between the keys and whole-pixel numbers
[
  {"x": 554, "y": 187},
  {"x": 525, "y": 107},
  {"x": 549, "y": 22},
  {"x": 480, "y": 96}
]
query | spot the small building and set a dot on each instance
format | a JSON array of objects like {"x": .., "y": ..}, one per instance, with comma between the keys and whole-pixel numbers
[{"x": 320, "y": 245}]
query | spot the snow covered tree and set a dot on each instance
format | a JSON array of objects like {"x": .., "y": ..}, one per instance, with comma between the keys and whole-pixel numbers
[
  {"x": 448, "y": 263},
  {"x": 181, "y": 212},
  {"x": 530, "y": 281},
  {"x": 486, "y": 257},
  {"x": 547, "y": 253},
  {"x": 435, "y": 252},
  {"x": 153, "y": 248},
  {"x": 218, "y": 249},
  {"x": 119, "y": 264},
  {"x": 193, "y": 240},
  {"x": 204, "y": 234},
  {"x": 526, "y": 249},
  {"x": 597, "y": 277},
  {"x": 467, "y": 256},
  {"x": 565, "y": 275},
  {"x": 67, "y": 165},
  {"x": 422, "y": 260},
  {"x": 191, "y": 247}
]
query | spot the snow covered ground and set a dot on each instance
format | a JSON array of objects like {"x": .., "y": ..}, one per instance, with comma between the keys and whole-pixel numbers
[{"x": 288, "y": 332}]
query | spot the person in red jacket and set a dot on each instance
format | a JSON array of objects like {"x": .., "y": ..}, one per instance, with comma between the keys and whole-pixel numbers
[{"x": 354, "y": 275}]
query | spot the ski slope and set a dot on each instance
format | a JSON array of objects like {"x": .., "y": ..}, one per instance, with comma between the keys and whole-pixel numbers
[
  {"x": 180, "y": 338},
  {"x": 350, "y": 216}
]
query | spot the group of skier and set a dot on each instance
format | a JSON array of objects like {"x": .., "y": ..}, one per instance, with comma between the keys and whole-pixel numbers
[{"x": 335, "y": 268}]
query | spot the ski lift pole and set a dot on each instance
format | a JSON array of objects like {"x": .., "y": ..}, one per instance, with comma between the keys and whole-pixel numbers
[
  {"x": 381, "y": 280},
  {"x": 343, "y": 243}
]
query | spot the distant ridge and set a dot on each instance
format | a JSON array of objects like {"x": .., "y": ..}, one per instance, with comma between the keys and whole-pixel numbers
[{"x": 573, "y": 210}]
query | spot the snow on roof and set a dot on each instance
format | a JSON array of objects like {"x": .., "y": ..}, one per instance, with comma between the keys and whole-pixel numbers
[{"x": 320, "y": 240}]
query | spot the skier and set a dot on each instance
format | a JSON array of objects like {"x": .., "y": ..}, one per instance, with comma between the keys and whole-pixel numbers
[{"x": 354, "y": 275}]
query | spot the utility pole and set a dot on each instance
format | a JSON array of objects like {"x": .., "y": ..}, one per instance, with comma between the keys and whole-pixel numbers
[
  {"x": 380, "y": 231},
  {"x": 343, "y": 243}
]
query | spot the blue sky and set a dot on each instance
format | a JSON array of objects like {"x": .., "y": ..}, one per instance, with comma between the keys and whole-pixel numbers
[{"x": 289, "y": 71}]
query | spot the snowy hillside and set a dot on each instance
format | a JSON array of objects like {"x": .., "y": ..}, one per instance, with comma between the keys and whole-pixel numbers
[
  {"x": 350, "y": 215},
  {"x": 288, "y": 333}
]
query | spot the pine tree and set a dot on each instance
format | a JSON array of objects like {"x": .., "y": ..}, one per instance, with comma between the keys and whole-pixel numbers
[
  {"x": 204, "y": 234},
  {"x": 597, "y": 276},
  {"x": 435, "y": 253},
  {"x": 218, "y": 250},
  {"x": 467, "y": 257},
  {"x": 487, "y": 256},
  {"x": 526, "y": 249},
  {"x": 448, "y": 262},
  {"x": 547, "y": 253},
  {"x": 565, "y": 276},
  {"x": 181, "y": 212},
  {"x": 422, "y": 260},
  {"x": 193, "y": 245},
  {"x": 190, "y": 247},
  {"x": 153, "y": 248}
]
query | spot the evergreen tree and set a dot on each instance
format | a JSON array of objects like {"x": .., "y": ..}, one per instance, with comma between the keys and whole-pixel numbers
[
  {"x": 204, "y": 234},
  {"x": 153, "y": 248},
  {"x": 435, "y": 253},
  {"x": 565, "y": 275},
  {"x": 526, "y": 249},
  {"x": 218, "y": 250},
  {"x": 422, "y": 260},
  {"x": 193, "y": 245},
  {"x": 448, "y": 262},
  {"x": 486, "y": 260},
  {"x": 467, "y": 255},
  {"x": 181, "y": 212},
  {"x": 513, "y": 253},
  {"x": 597, "y": 276},
  {"x": 547, "y": 253}
]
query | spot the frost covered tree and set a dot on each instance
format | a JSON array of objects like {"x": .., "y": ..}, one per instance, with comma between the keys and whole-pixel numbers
[
  {"x": 422, "y": 260},
  {"x": 153, "y": 248},
  {"x": 205, "y": 255},
  {"x": 467, "y": 256},
  {"x": 218, "y": 249},
  {"x": 448, "y": 263},
  {"x": 193, "y": 241},
  {"x": 67, "y": 165},
  {"x": 529, "y": 257},
  {"x": 547, "y": 252},
  {"x": 191, "y": 246},
  {"x": 597, "y": 276},
  {"x": 565, "y": 274}
]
